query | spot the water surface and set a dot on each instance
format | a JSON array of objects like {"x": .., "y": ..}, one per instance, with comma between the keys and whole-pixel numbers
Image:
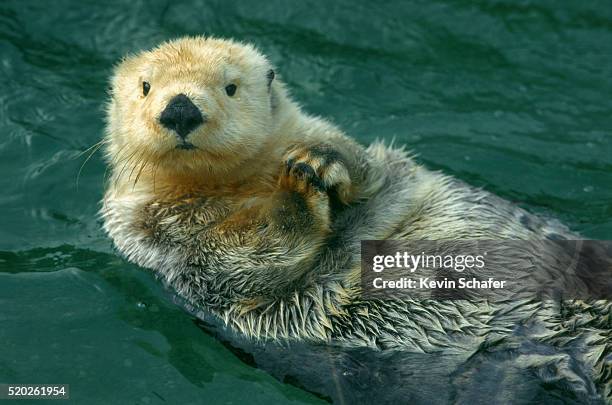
[{"x": 512, "y": 96}]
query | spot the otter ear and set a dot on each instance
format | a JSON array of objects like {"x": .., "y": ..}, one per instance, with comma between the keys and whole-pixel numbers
[{"x": 270, "y": 76}]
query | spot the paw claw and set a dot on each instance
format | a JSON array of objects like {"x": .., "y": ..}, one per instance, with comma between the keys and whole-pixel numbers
[
  {"x": 289, "y": 164},
  {"x": 301, "y": 177},
  {"x": 320, "y": 166},
  {"x": 305, "y": 172}
]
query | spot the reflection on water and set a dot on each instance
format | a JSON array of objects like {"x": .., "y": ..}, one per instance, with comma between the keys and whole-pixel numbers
[{"x": 511, "y": 96}]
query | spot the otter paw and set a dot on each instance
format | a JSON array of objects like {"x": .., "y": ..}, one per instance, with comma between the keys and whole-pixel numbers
[
  {"x": 324, "y": 165},
  {"x": 302, "y": 178}
]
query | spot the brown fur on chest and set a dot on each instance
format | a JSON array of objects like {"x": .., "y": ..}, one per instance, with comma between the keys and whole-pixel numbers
[{"x": 199, "y": 205}]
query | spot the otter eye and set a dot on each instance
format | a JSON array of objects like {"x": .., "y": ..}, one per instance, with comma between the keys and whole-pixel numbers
[
  {"x": 145, "y": 88},
  {"x": 230, "y": 89}
]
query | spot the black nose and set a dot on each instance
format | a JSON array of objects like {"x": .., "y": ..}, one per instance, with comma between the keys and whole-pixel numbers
[{"x": 181, "y": 115}]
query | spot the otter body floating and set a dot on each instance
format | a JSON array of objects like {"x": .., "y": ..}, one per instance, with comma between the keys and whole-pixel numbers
[{"x": 254, "y": 211}]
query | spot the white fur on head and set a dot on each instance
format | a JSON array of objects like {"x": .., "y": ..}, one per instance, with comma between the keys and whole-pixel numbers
[{"x": 236, "y": 127}]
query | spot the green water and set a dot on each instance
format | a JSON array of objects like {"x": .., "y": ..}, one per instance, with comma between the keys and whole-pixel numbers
[{"x": 513, "y": 96}]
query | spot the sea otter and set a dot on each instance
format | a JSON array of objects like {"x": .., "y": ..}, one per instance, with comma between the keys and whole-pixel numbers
[{"x": 253, "y": 210}]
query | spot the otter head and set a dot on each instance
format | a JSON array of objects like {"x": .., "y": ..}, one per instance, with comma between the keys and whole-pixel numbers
[{"x": 194, "y": 104}]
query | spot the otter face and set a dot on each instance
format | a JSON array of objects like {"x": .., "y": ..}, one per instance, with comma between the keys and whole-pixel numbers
[{"x": 194, "y": 103}]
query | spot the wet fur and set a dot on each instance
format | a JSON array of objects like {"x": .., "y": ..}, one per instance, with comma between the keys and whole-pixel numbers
[{"x": 265, "y": 233}]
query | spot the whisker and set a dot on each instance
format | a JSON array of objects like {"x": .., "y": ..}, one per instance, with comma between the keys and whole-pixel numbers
[
  {"x": 155, "y": 171},
  {"x": 102, "y": 142},
  {"x": 146, "y": 162},
  {"x": 105, "y": 177},
  {"x": 119, "y": 158},
  {"x": 138, "y": 160},
  {"x": 97, "y": 147},
  {"x": 126, "y": 163},
  {"x": 115, "y": 162}
]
